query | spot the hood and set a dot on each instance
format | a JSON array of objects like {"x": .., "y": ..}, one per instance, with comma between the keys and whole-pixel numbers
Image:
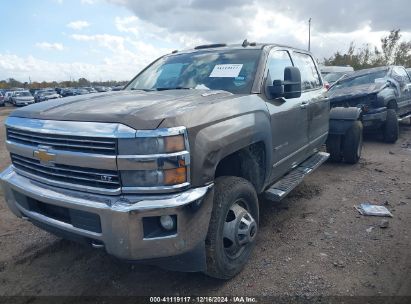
[
  {"x": 137, "y": 109},
  {"x": 355, "y": 92}
]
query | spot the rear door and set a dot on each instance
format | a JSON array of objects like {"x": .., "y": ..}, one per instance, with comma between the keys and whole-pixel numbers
[
  {"x": 314, "y": 94},
  {"x": 289, "y": 119}
]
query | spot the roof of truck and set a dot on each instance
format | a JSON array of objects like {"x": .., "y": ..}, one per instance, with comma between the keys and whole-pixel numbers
[{"x": 250, "y": 45}]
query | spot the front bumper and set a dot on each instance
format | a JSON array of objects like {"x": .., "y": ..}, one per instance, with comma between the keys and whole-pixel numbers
[
  {"x": 121, "y": 218},
  {"x": 374, "y": 118},
  {"x": 23, "y": 102}
]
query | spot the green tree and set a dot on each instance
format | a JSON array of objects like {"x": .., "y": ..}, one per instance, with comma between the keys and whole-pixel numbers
[{"x": 392, "y": 51}]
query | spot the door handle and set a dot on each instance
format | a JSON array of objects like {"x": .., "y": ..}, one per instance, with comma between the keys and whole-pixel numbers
[{"x": 303, "y": 105}]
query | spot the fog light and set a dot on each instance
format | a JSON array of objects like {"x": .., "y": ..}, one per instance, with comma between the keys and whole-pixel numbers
[{"x": 167, "y": 222}]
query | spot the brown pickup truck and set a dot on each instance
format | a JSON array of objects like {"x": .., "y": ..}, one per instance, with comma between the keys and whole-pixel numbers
[{"x": 167, "y": 171}]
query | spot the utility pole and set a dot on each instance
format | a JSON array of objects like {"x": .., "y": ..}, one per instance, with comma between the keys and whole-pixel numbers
[{"x": 309, "y": 34}]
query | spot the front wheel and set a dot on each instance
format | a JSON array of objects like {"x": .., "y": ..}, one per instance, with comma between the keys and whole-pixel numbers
[
  {"x": 233, "y": 227},
  {"x": 353, "y": 140}
]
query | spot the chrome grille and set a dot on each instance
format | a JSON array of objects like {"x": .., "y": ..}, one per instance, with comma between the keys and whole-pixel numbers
[
  {"x": 68, "y": 174},
  {"x": 107, "y": 146}
]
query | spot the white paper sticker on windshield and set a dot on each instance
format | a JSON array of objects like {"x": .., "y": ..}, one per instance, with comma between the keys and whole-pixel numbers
[{"x": 226, "y": 70}]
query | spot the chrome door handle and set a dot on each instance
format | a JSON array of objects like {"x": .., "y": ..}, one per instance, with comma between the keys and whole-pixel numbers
[{"x": 303, "y": 105}]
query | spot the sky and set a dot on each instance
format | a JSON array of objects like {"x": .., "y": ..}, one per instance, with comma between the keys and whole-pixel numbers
[{"x": 114, "y": 39}]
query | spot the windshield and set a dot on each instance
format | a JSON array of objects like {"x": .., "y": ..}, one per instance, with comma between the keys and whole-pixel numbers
[
  {"x": 360, "y": 80},
  {"x": 23, "y": 94},
  {"x": 231, "y": 71}
]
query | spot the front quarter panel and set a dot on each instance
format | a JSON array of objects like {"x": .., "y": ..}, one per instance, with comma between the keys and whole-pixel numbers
[{"x": 216, "y": 131}]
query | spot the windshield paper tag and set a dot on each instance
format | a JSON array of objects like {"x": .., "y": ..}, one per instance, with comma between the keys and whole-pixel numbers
[{"x": 226, "y": 70}]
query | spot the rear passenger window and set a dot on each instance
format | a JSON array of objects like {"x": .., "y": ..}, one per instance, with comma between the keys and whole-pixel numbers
[
  {"x": 400, "y": 75},
  {"x": 309, "y": 74},
  {"x": 277, "y": 62}
]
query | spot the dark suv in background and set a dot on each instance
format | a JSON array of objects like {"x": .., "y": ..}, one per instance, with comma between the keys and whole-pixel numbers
[{"x": 383, "y": 94}]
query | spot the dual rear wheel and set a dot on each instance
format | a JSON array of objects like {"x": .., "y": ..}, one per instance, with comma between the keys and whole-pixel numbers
[{"x": 346, "y": 147}]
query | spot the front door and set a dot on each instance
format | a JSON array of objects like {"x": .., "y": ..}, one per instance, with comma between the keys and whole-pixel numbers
[{"x": 289, "y": 119}]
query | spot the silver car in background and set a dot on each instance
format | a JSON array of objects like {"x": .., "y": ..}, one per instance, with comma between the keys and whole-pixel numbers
[{"x": 22, "y": 98}]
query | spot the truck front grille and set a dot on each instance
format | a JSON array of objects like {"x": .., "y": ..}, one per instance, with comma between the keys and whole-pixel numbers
[
  {"x": 97, "y": 178},
  {"x": 107, "y": 146}
]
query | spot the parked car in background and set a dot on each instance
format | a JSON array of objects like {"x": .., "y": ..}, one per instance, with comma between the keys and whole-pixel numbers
[
  {"x": 90, "y": 89},
  {"x": 2, "y": 102},
  {"x": 383, "y": 94},
  {"x": 332, "y": 73},
  {"x": 22, "y": 98},
  {"x": 117, "y": 88},
  {"x": 44, "y": 95},
  {"x": 102, "y": 89},
  {"x": 67, "y": 92},
  {"x": 81, "y": 91}
]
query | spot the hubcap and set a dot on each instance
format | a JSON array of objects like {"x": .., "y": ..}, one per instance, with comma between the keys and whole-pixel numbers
[{"x": 240, "y": 229}]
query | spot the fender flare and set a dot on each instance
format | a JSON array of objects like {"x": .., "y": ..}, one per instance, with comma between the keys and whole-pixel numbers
[
  {"x": 341, "y": 119},
  {"x": 215, "y": 142}
]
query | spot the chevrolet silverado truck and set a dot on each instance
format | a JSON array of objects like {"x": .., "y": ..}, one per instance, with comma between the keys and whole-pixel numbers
[
  {"x": 383, "y": 94},
  {"x": 168, "y": 170}
]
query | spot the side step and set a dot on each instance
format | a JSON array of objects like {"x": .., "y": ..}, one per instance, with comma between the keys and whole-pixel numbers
[{"x": 291, "y": 180}]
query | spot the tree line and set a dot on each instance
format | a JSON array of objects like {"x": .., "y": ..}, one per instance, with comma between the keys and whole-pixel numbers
[
  {"x": 81, "y": 82},
  {"x": 392, "y": 51}
]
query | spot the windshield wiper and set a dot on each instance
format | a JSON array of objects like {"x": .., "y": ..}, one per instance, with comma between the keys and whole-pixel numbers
[
  {"x": 145, "y": 90},
  {"x": 175, "y": 88}
]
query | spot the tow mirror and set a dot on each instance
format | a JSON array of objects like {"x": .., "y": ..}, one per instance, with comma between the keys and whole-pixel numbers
[{"x": 289, "y": 88}]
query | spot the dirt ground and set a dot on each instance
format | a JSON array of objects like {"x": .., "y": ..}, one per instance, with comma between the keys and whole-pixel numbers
[{"x": 312, "y": 243}]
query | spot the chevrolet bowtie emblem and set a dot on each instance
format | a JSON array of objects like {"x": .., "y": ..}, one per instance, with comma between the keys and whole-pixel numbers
[{"x": 44, "y": 156}]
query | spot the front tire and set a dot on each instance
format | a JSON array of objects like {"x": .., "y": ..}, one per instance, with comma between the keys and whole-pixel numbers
[
  {"x": 353, "y": 140},
  {"x": 233, "y": 227},
  {"x": 391, "y": 128}
]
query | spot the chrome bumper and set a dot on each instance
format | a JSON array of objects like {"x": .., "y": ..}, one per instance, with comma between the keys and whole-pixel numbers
[{"x": 121, "y": 217}]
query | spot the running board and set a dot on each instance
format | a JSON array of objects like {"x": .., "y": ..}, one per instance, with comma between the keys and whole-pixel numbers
[{"x": 292, "y": 179}]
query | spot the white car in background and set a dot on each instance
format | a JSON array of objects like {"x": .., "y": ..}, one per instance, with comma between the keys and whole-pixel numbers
[{"x": 22, "y": 98}]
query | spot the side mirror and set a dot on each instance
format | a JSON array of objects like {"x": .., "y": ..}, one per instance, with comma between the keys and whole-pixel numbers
[{"x": 289, "y": 88}]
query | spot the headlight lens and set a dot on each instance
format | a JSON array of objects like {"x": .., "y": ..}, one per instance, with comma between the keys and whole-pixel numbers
[
  {"x": 157, "y": 158},
  {"x": 151, "y": 145}
]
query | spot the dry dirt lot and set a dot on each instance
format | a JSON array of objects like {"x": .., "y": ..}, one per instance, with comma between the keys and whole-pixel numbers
[{"x": 312, "y": 243}]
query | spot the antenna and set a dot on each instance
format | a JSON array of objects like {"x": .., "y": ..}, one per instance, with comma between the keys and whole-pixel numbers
[{"x": 309, "y": 34}]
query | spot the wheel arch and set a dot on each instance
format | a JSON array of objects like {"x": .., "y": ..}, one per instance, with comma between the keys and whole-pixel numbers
[
  {"x": 246, "y": 138},
  {"x": 342, "y": 118}
]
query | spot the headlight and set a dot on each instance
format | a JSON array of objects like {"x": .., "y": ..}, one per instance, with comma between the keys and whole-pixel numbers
[
  {"x": 152, "y": 145},
  {"x": 154, "y": 159}
]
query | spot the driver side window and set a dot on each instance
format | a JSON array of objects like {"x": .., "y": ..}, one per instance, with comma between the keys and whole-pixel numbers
[{"x": 277, "y": 62}]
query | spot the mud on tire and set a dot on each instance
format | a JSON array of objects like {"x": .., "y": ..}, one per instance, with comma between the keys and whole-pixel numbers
[{"x": 233, "y": 227}]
